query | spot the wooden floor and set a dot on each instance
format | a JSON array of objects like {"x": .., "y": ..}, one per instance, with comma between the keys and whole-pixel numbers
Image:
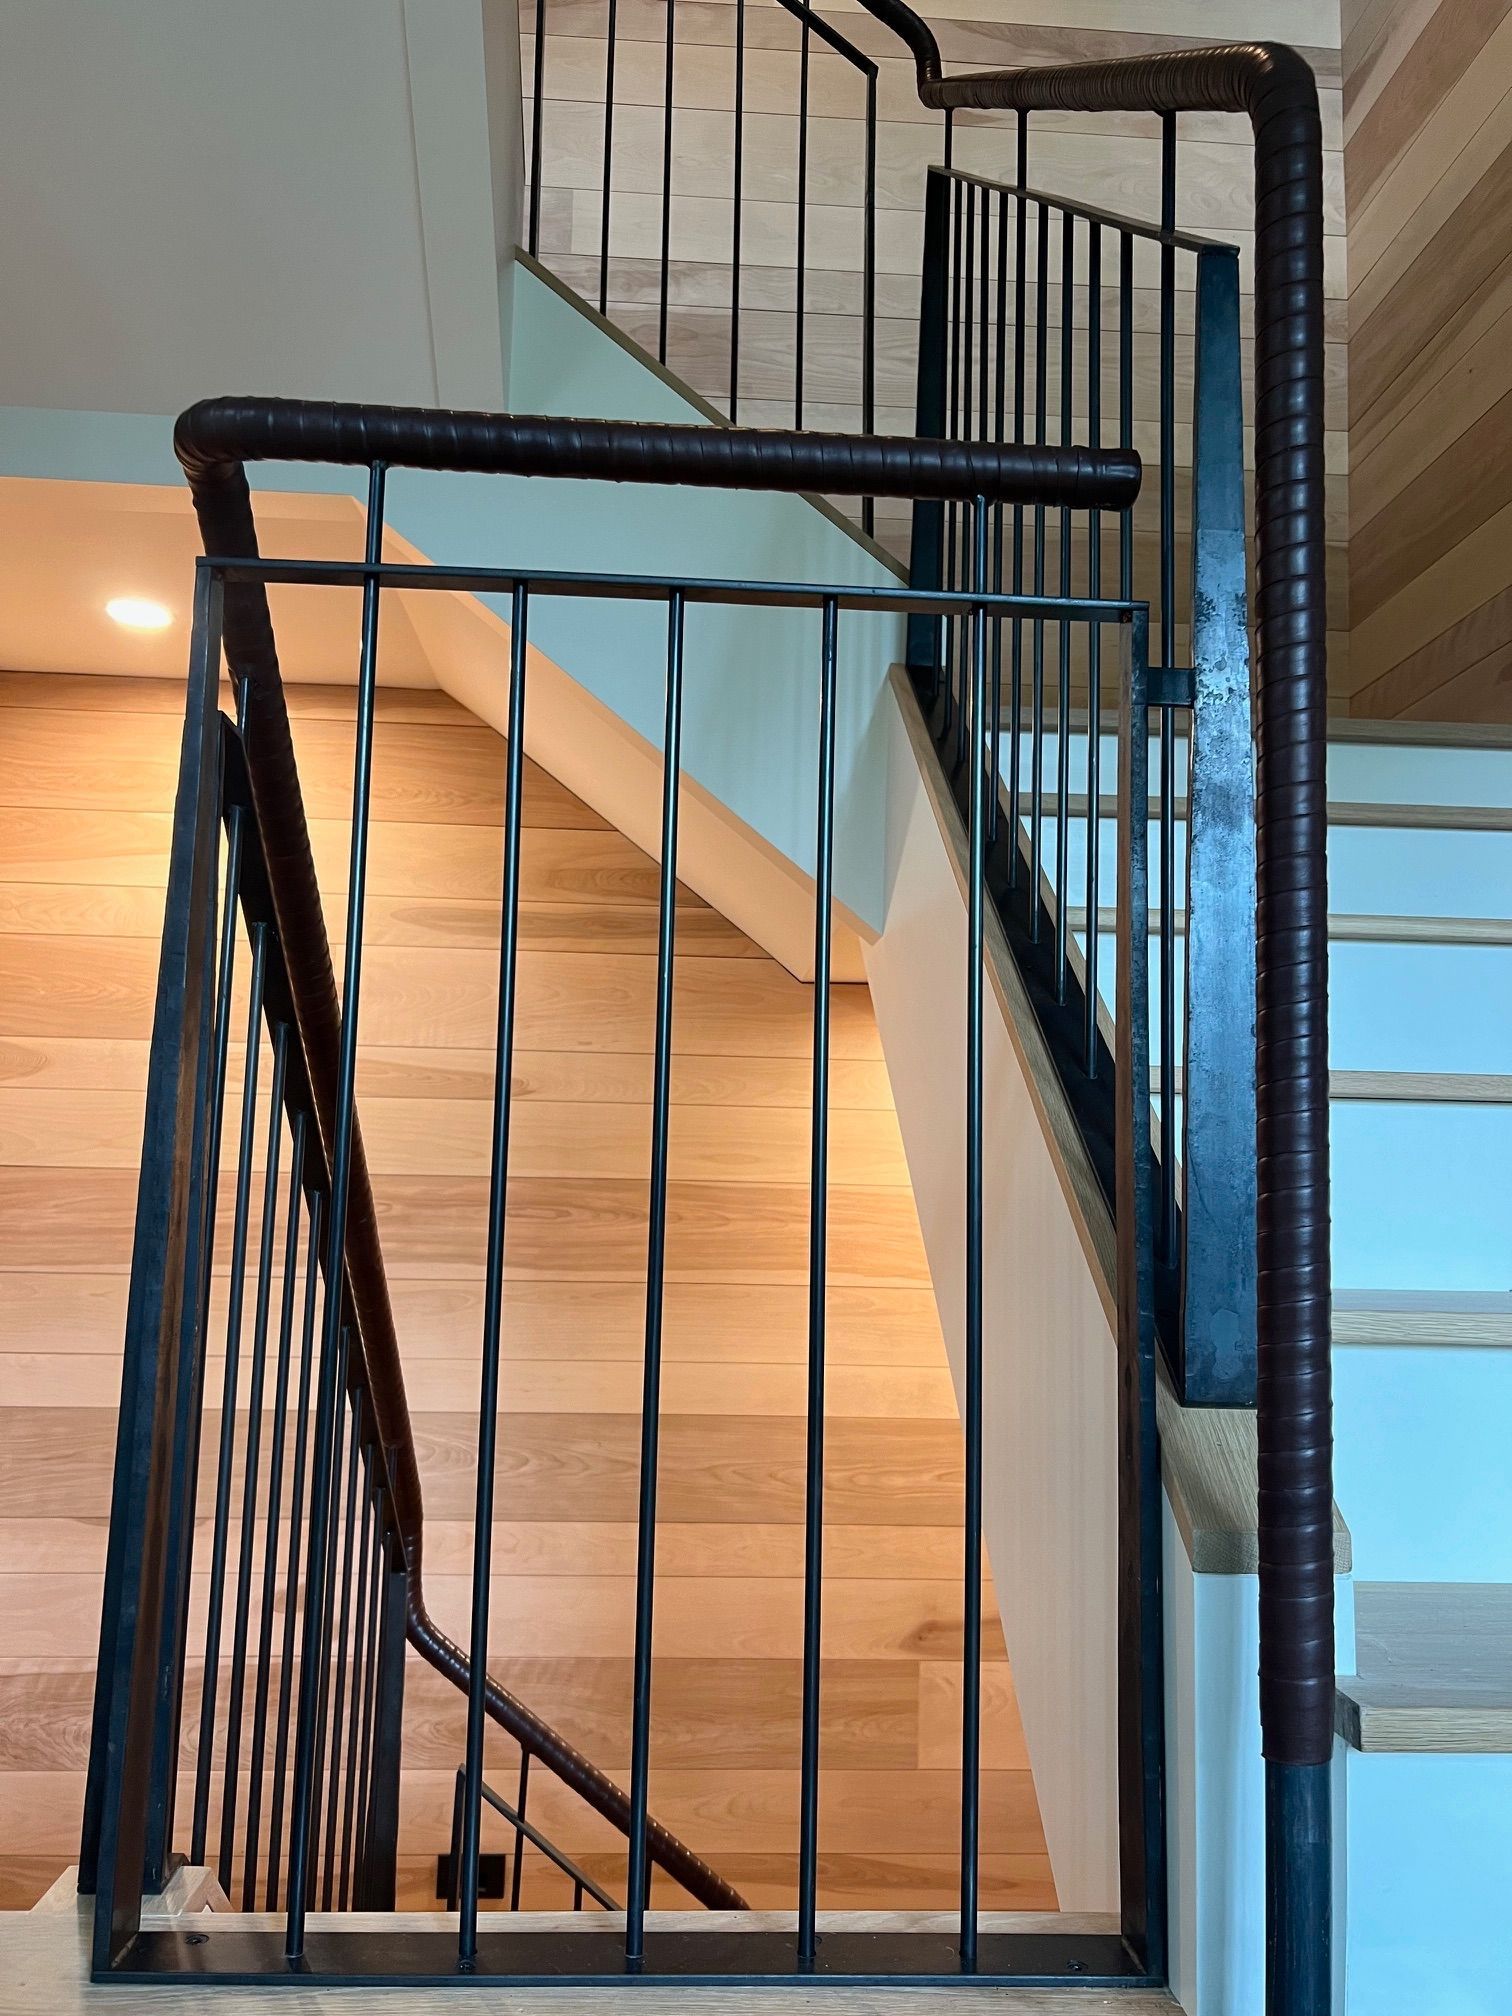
[{"x": 86, "y": 784}]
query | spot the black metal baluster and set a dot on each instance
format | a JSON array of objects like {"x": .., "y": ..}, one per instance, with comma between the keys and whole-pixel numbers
[
  {"x": 971, "y": 1635},
  {"x": 666, "y": 218},
  {"x": 967, "y": 315},
  {"x": 735, "y": 229},
  {"x": 538, "y": 100},
  {"x": 608, "y": 156},
  {"x": 1041, "y": 369},
  {"x": 1167, "y": 716},
  {"x": 656, "y": 1254},
  {"x": 952, "y": 433},
  {"x": 803, "y": 141},
  {"x": 1063, "y": 683},
  {"x": 354, "y": 1705},
  {"x": 493, "y": 1296},
  {"x": 1126, "y": 405},
  {"x": 459, "y": 1800},
  {"x": 231, "y": 1768},
  {"x": 328, "y": 1614},
  {"x": 235, "y": 1297},
  {"x": 1020, "y": 365},
  {"x": 291, "y": 1566},
  {"x": 813, "y": 1532},
  {"x": 1094, "y": 642},
  {"x": 216, "y": 1120},
  {"x": 355, "y": 1450},
  {"x": 869, "y": 286},
  {"x": 516, "y": 1874},
  {"x": 273, "y": 1512},
  {"x": 369, "y": 1684},
  {"x": 305, "y": 1783},
  {"x": 1000, "y": 416}
]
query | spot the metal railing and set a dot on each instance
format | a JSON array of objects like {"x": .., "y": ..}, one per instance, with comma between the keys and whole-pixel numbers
[
  {"x": 815, "y": 37},
  {"x": 141, "y": 1654},
  {"x": 1266, "y": 1195},
  {"x": 583, "y": 1885}
]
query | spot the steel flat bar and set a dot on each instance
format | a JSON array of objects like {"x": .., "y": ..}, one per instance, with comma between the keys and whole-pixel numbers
[
  {"x": 356, "y": 1442},
  {"x": 971, "y": 1635},
  {"x": 869, "y": 286},
  {"x": 538, "y": 97},
  {"x": 1037, "y": 672},
  {"x": 1092, "y": 213},
  {"x": 305, "y": 1785},
  {"x": 1020, "y": 365},
  {"x": 659, "y": 587},
  {"x": 493, "y": 1294},
  {"x": 606, "y": 191},
  {"x": 369, "y": 1686},
  {"x": 1094, "y": 643},
  {"x": 257, "y": 1766},
  {"x": 1167, "y": 719},
  {"x": 656, "y": 1255},
  {"x": 553, "y": 1854},
  {"x": 813, "y": 1514},
  {"x": 354, "y": 1705},
  {"x": 1063, "y": 681},
  {"x": 236, "y": 1293},
  {"x": 1000, "y": 421},
  {"x": 736, "y": 218},
  {"x": 252, "y": 1457},
  {"x": 516, "y": 1874},
  {"x": 328, "y": 1615},
  {"x": 801, "y": 261},
  {"x": 291, "y": 1565},
  {"x": 668, "y": 93}
]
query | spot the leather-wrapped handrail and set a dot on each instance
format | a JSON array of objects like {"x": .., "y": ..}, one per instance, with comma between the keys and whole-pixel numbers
[
  {"x": 207, "y": 438},
  {"x": 215, "y": 438},
  {"x": 1275, "y": 88}
]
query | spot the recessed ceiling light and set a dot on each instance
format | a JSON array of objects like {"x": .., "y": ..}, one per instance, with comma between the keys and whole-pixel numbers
[{"x": 134, "y": 612}]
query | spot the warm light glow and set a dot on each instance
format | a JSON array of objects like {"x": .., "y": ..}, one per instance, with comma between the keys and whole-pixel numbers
[{"x": 133, "y": 612}]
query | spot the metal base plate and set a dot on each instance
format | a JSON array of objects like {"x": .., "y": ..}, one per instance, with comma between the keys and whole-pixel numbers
[{"x": 562, "y": 1959}]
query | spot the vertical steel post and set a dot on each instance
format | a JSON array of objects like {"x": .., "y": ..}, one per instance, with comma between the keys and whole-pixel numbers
[
  {"x": 493, "y": 1294},
  {"x": 656, "y": 1258},
  {"x": 1141, "y": 1695},
  {"x": 335, "y": 1272},
  {"x": 813, "y": 1534},
  {"x": 971, "y": 1636},
  {"x": 1215, "y": 1340}
]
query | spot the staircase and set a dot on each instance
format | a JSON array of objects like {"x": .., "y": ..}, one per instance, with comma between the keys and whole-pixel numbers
[
  {"x": 1420, "y": 953},
  {"x": 1238, "y": 1319}
]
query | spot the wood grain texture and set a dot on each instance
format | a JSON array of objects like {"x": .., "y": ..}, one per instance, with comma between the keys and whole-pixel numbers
[
  {"x": 1111, "y": 161},
  {"x": 1434, "y": 1666},
  {"x": 1427, "y": 170},
  {"x": 86, "y": 780}
]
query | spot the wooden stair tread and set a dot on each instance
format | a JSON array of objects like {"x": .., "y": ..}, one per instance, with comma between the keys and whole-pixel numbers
[
  {"x": 1435, "y": 1668},
  {"x": 1422, "y": 1317}
]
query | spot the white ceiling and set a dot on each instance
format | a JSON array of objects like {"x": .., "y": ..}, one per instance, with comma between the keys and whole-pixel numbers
[
  {"x": 70, "y": 547},
  {"x": 298, "y": 197}
]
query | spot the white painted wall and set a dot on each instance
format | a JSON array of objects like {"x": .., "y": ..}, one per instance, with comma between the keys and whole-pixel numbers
[
  {"x": 204, "y": 196},
  {"x": 1048, "y": 1378}
]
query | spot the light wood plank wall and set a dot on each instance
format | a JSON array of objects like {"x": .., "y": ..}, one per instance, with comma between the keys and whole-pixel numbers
[
  {"x": 1107, "y": 160},
  {"x": 86, "y": 783},
  {"x": 1428, "y": 171}
]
